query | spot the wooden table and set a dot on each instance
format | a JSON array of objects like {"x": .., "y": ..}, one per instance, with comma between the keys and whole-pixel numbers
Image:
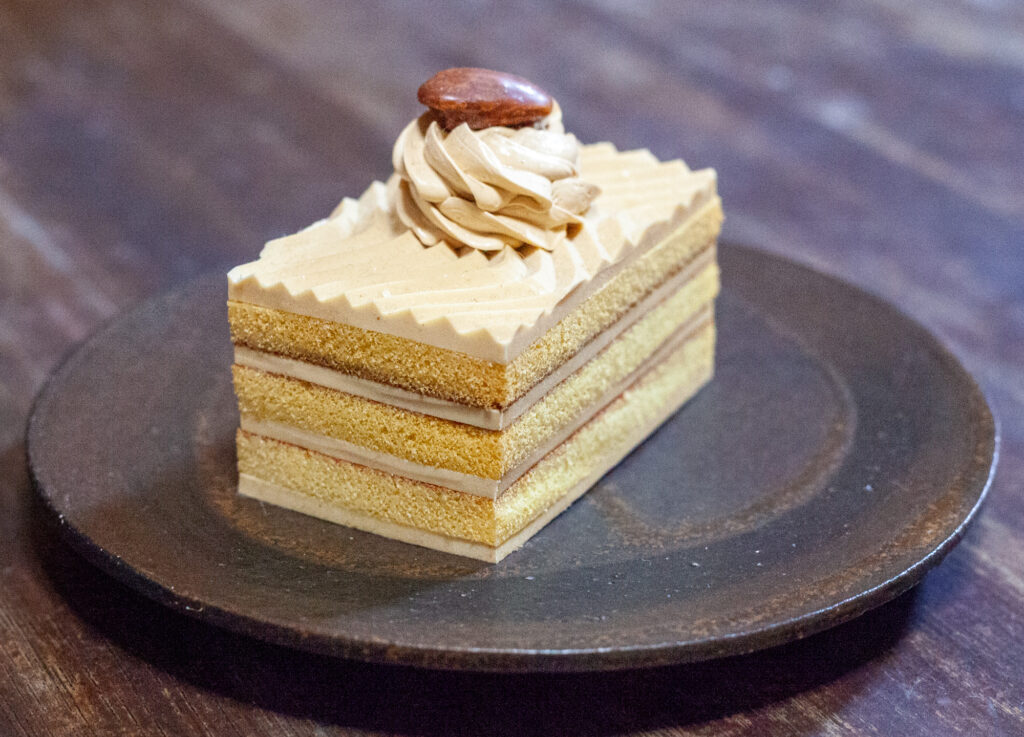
[{"x": 142, "y": 144}]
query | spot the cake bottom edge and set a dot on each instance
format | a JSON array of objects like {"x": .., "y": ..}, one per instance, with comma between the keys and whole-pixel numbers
[{"x": 296, "y": 501}]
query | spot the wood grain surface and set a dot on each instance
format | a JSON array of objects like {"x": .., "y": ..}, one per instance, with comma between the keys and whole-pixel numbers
[{"x": 145, "y": 143}]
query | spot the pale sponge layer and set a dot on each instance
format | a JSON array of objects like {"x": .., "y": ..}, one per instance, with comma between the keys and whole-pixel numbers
[
  {"x": 593, "y": 449},
  {"x": 455, "y": 376},
  {"x": 456, "y": 446}
]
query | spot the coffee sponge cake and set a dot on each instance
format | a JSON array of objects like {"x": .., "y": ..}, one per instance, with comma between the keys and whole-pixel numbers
[{"x": 455, "y": 356}]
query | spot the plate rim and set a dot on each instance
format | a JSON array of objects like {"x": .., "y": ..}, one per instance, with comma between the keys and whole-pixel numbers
[{"x": 522, "y": 660}]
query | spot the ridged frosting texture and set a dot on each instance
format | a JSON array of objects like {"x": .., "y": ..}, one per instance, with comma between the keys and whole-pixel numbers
[
  {"x": 490, "y": 188},
  {"x": 363, "y": 267}
]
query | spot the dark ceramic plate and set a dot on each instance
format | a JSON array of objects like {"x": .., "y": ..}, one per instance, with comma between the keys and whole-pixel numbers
[{"x": 836, "y": 457}]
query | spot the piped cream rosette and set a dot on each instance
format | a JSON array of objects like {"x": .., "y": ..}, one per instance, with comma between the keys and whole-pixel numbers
[{"x": 490, "y": 188}]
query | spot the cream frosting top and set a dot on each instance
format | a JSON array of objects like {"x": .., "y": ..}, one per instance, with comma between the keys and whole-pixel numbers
[
  {"x": 489, "y": 188},
  {"x": 364, "y": 267}
]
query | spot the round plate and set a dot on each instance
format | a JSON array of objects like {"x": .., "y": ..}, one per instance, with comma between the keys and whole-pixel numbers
[{"x": 837, "y": 455}]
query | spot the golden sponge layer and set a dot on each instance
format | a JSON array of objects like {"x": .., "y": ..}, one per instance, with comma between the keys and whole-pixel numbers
[
  {"x": 456, "y": 376},
  {"x": 456, "y": 446},
  {"x": 592, "y": 449}
]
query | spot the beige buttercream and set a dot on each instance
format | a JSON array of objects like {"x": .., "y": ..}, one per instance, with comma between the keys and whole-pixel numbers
[
  {"x": 364, "y": 267},
  {"x": 490, "y": 188}
]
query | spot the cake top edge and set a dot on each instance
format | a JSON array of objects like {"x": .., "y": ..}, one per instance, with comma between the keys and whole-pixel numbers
[{"x": 482, "y": 235}]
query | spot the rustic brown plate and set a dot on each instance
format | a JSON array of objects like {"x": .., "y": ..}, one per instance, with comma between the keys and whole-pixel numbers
[{"x": 837, "y": 456}]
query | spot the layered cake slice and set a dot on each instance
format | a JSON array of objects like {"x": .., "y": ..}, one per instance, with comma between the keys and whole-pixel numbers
[{"x": 453, "y": 358}]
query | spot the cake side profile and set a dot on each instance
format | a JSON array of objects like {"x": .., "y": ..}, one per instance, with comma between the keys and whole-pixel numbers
[{"x": 454, "y": 357}]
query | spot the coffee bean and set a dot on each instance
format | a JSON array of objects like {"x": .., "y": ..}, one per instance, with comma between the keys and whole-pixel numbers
[{"x": 483, "y": 98}]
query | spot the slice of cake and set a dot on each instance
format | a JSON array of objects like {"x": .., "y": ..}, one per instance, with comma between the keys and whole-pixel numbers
[{"x": 453, "y": 358}]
